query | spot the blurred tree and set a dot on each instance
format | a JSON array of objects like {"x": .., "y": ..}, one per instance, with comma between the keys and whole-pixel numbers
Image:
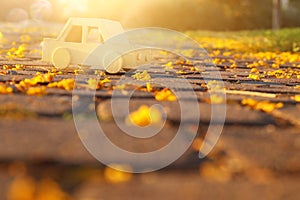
[
  {"x": 276, "y": 14},
  {"x": 291, "y": 14},
  {"x": 237, "y": 14}
]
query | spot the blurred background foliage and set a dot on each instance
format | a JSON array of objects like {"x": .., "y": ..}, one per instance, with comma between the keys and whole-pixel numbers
[{"x": 174, "y": 14}]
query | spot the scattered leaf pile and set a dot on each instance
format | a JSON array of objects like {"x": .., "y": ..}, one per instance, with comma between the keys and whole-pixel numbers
[
  {"x": 264, "y": 106},
  {"x": 67, "y": 84}
]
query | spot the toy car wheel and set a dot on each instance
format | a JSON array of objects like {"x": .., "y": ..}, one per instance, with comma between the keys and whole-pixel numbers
[
  {"x": 115, "y": 66},
  {"x": 61, "y": 58}
]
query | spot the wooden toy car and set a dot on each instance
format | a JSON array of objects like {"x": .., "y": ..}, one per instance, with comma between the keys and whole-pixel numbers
[{"x": 81, "y": 38}]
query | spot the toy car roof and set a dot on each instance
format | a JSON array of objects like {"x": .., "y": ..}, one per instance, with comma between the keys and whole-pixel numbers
[{"x": 107, "y": 27}]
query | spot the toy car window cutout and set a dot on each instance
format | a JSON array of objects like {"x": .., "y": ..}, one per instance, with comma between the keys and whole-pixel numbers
[
  {"x": 75, "y": 34},
  {"x": 94, "y": 35}
]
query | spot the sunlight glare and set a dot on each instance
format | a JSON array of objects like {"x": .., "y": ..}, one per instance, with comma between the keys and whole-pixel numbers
[{"x": 71, "y": 6}]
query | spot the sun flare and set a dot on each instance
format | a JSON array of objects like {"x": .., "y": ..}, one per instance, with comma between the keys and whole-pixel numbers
[{"x": 70, "y": 6}]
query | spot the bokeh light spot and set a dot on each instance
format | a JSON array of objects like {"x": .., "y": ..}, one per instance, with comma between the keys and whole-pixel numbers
[
  {"x": 40, "y": 10},
  {"x": 17, "y": 15}
]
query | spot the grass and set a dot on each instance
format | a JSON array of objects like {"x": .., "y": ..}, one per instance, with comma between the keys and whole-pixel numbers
[{"x": 287, "y": 40}]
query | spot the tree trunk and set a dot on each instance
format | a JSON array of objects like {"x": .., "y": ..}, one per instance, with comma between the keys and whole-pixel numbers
[{"x": 276, "y": 14}]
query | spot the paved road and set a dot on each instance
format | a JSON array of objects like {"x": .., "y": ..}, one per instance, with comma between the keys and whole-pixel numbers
[{"x": 256, "y": 157}]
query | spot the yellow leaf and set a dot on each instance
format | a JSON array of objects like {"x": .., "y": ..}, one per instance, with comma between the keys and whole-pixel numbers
[
  {"x": 165, "y": 95},
  {"x": 144, "y": 116},
  {"x": 36, "y": 90},
  {"x": 148, "y": 86},
  {"x": 18, "y": 67},
  {"x": 216, "y": 99},
  {"x": 5, "y": 89},
  {"x": 255, "y": 70},
  {"x": 95, "y": 84},
  {"x": 214, "y": 85},
  {"x": 142, "y": 76},
  {"x": 48, "y": 189},
  {"x": 297, "y": 98},
  {"x": 233, "y": 66},
  {"x": 117, "y": 175},
  {"x": 22, "y": 187},
  {"x": 169, "y": 65},
  {"x": 255, "y": 77}
]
